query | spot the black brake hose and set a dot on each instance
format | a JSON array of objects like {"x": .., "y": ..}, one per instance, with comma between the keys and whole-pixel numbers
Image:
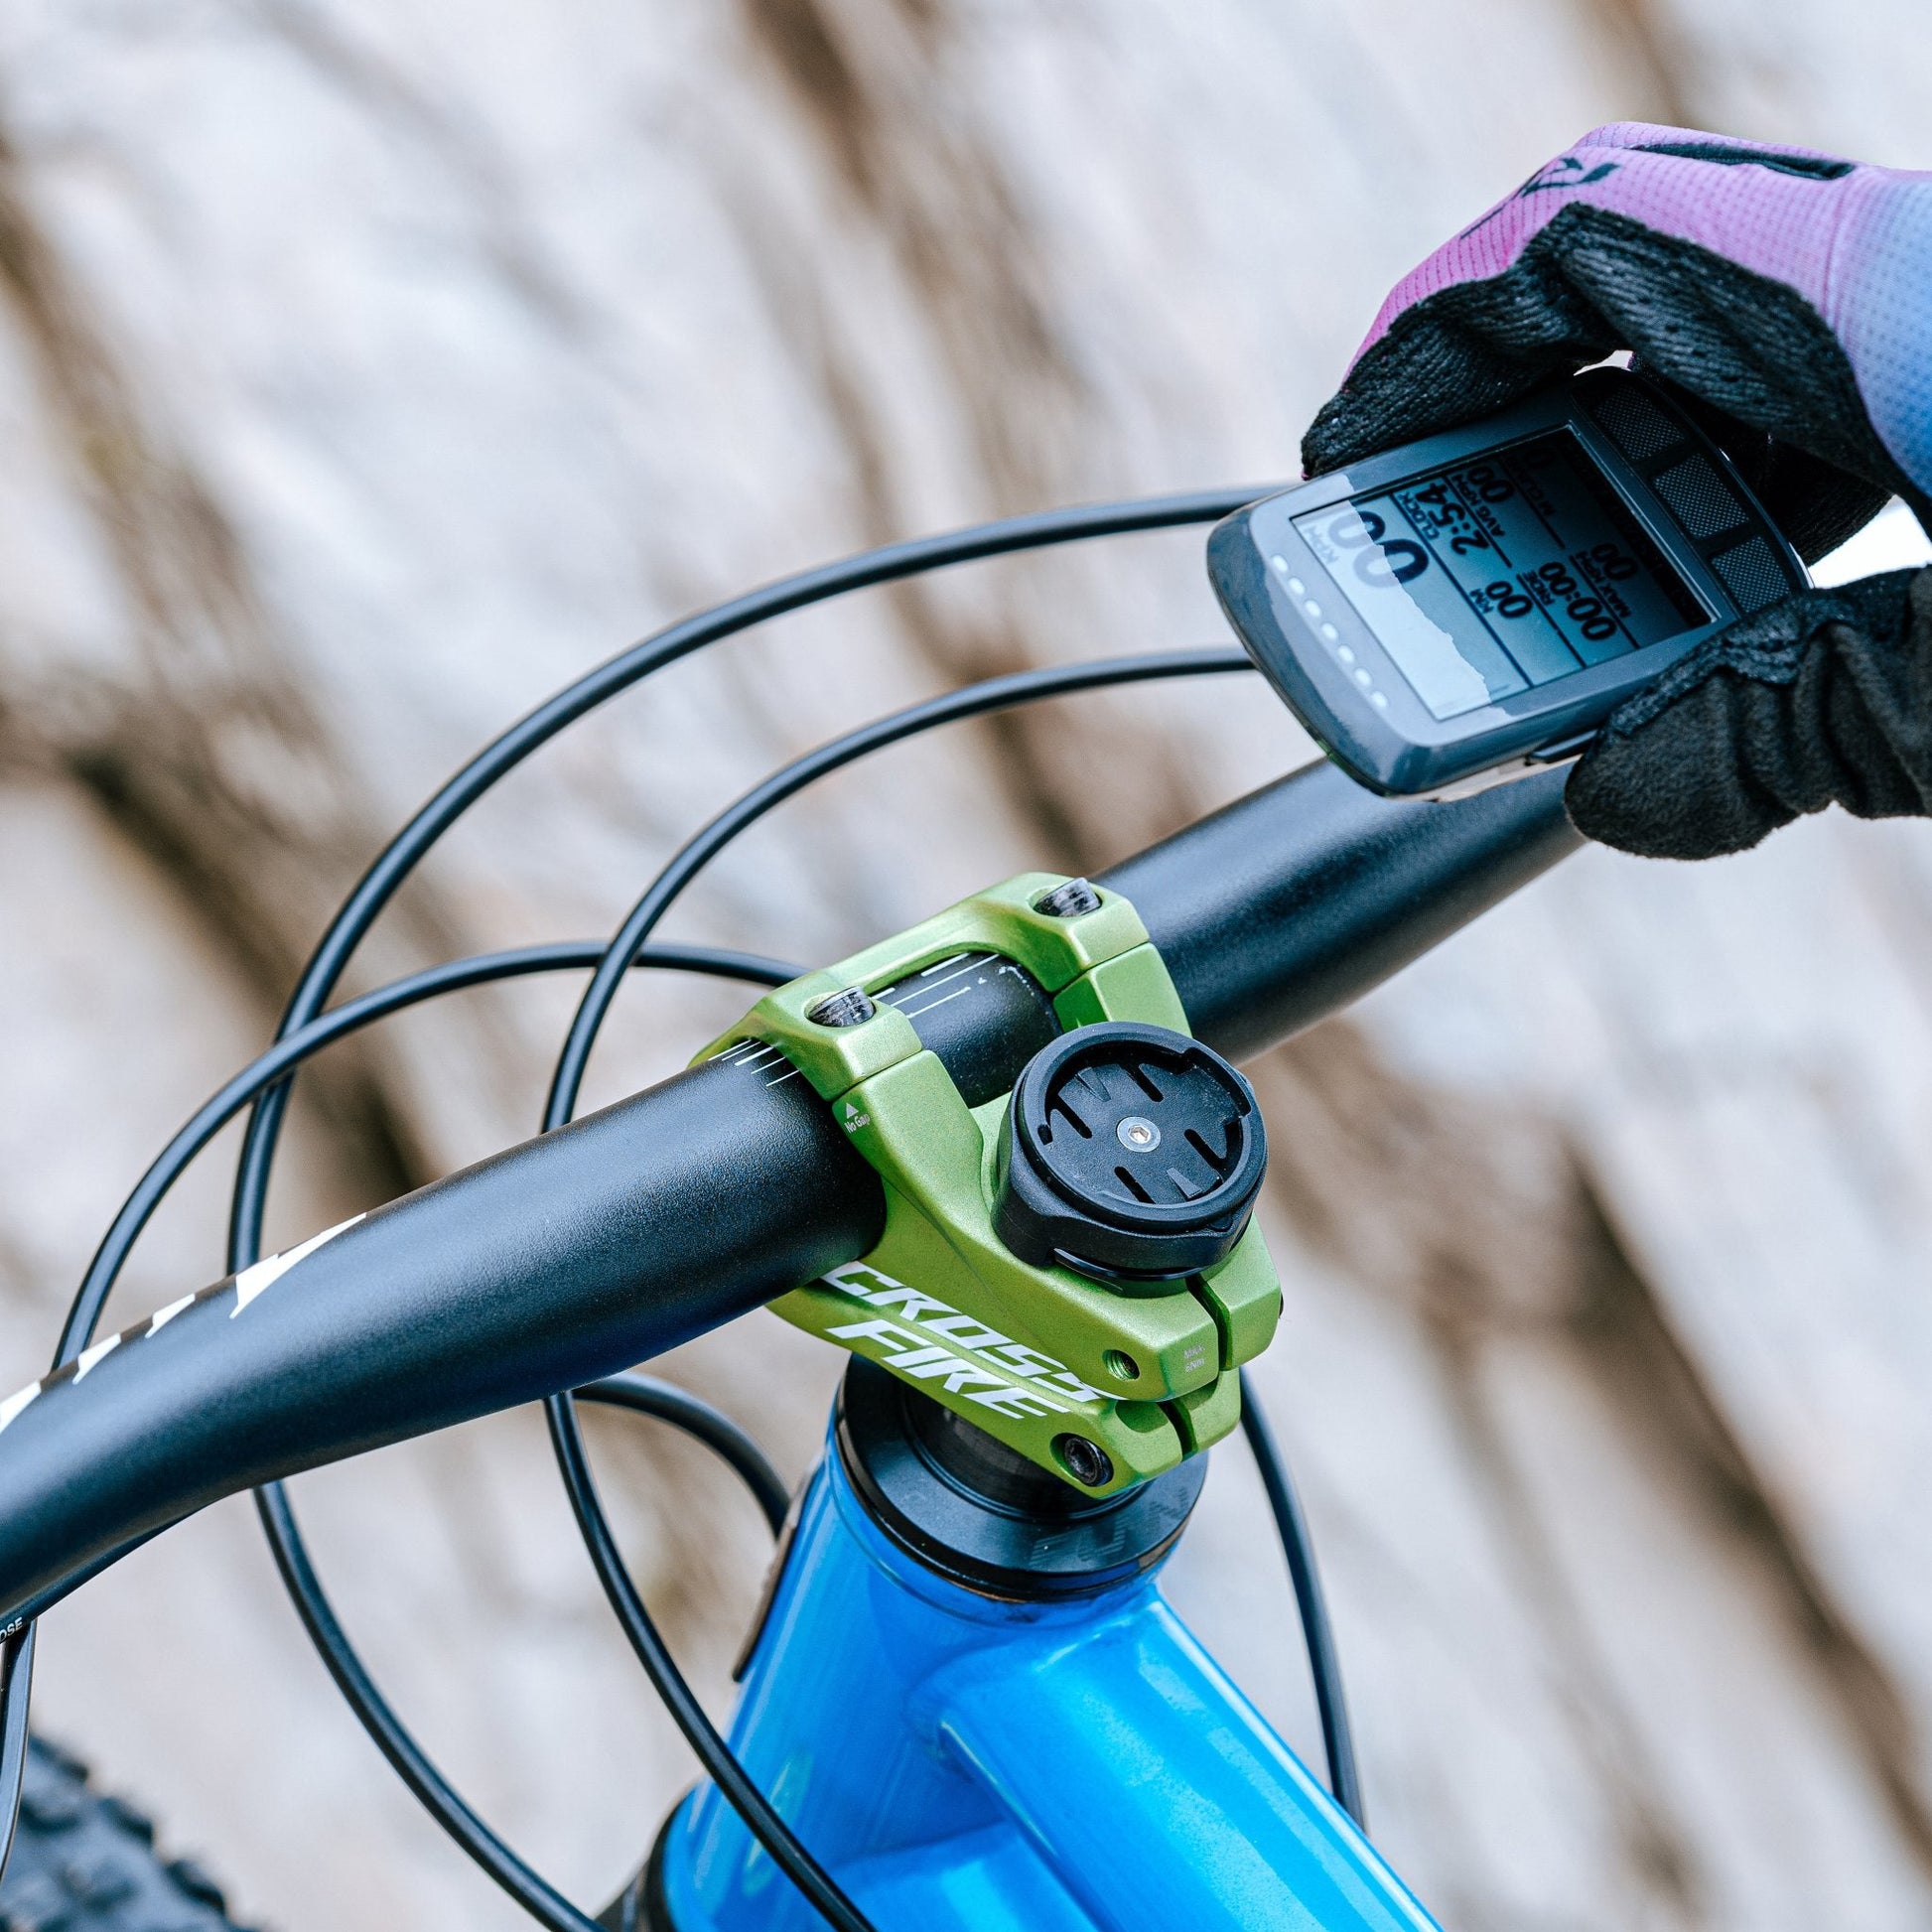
[
  {"x": 1296, "y": 1544},
  {"x": 817, "y": 1886},
  {"x": 641, "y": 1394},
  {"x": 279, "y": 1524},
  {"x": 443, "y": 979},
  {"x": 1324, "y": 1666},
  {"x": 427, "y": 1786},
  {"x": 973, "y": 701},
  {"x": 782, "y": 784},
  {"x": 645, "y": 1395}
]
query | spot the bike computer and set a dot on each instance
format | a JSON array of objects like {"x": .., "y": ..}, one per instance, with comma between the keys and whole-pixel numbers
[{"x": 1471, "y": 606}]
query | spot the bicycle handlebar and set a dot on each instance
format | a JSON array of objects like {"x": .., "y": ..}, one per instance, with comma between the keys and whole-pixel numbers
[
  {"x": 1294, "y": 901},
  {"x": 637, "y": 1228}
]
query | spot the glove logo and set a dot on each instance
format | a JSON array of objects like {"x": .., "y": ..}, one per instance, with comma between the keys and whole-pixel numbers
[{"x": 1567, "y": 172}]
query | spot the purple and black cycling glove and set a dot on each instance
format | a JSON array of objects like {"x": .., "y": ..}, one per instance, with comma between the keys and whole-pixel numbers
[{"x": 1786, "y": 296}]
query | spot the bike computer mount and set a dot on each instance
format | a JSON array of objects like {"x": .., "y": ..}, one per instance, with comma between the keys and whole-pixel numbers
[
  {"x": 1071, "y": 1266},
  {"x": 1471, "y": 606}
]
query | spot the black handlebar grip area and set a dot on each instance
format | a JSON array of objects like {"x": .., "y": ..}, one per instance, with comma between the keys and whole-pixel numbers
[
  {"x": 593, "y": 1247},
  {"x": 1297, "y": 899}
]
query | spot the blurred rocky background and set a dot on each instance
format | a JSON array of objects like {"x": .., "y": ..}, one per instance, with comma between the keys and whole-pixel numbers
[{"x": 366, "y": 371}]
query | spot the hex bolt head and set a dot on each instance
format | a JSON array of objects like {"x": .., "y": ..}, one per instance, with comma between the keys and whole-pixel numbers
[
  {"x": 1138, "y": 1136},
  {"x": 1068, "y": 901},
  {"x": 1086, "y": 1463},
  {"x": 851, "y": 1006}
]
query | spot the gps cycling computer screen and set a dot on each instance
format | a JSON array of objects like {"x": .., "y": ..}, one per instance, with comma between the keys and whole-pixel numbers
[
  {"x": 1492, "y": 575},
  {"x": 1472, "y": 606}
]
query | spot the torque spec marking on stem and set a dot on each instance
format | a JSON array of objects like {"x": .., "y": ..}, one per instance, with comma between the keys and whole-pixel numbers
[{"x": 1036, "y": 1357}]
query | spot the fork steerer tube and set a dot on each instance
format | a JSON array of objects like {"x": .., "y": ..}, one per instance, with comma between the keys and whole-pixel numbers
[{"x": 611, "y": 1240}]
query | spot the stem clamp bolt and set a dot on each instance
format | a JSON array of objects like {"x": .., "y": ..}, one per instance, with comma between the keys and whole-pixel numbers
[
  {"x": 1068, "y": 901},
  {"x": 851, "y": 1006}
]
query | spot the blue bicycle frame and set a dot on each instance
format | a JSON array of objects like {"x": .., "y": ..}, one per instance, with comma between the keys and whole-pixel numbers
[{"x": 959, "y": 1761}]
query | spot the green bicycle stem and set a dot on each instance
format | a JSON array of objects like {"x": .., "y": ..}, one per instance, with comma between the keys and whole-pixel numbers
[{"x": 1050, "y": 1362}]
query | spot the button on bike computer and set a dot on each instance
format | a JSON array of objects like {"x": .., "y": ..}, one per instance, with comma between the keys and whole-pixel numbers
[{"x": 1470, "y": 607}]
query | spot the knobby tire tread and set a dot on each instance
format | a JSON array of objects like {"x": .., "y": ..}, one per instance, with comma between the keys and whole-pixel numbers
[{"x": 85, "y": 1861}]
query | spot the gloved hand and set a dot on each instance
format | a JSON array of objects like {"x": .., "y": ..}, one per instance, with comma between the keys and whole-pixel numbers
[{"x": 1787, "y": 297}]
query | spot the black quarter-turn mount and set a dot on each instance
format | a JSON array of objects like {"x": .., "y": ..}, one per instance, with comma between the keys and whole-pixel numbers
[{"x": 1131, "y": 1153}]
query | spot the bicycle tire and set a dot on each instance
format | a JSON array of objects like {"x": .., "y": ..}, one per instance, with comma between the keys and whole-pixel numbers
[{"x": 85, "y": 1861}]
